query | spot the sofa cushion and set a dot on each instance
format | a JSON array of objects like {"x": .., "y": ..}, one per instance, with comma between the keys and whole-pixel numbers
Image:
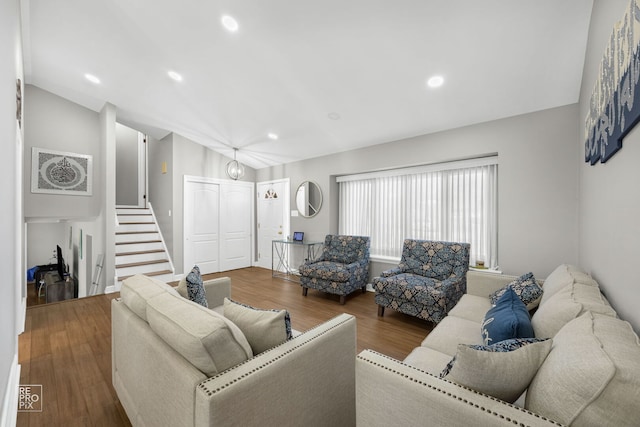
[
  {"x": 264, "y": 329},
  {"x": 452, "y": 331},
  {"x": 525, "y": 287},
  {"x": 471, "y": 307},
  {"x": 563, "y": 276},
  {"x": 567, "y": 304},
  {"x": 136, "y": 291},
  {"x": 591, "y": 376},
  {"x": 345, "y": 249},
  {"x": 427, "y": 258},
  {"x": 508, "y": 319},
  {"x": 503, "y": 370},
  {"x": 326, "y": 270},
  {"x": 428, "y": 360},
  {"x": 207, "y": 340}
]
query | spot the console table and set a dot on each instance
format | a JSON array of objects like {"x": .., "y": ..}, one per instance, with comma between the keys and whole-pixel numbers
[{"x": 284, "y": 251}]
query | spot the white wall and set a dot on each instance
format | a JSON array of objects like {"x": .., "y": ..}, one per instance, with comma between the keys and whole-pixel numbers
[
  {"x": 58, "y": 124},
  {"x": 609, "y": 197},
  {"x": 126, "y": 166},
  {"x": 183, "y": 157},
  {"x": 537, "y": 182},
  {"x": 12, "y": 262}
]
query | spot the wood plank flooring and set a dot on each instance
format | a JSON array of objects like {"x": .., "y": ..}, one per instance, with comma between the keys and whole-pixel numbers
[{"x": 66, "y": 346}]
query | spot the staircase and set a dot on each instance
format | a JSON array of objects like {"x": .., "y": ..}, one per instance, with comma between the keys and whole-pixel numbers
[{"x": 140, "y": 248}]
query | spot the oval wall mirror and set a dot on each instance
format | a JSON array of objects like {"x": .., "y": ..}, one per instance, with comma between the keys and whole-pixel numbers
[{"x": 308, "y": 199}]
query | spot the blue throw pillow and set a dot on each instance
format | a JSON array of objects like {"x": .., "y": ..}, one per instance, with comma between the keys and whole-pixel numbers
[
  {"x": 508, "y": 319},
  {"x": 195, "y": 287}
]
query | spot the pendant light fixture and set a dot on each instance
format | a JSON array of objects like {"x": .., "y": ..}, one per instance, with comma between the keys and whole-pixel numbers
[{"x": 235, "y": 170}]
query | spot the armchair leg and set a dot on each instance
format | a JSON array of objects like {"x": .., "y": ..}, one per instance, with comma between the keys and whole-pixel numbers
[
  {"x": 342, "y": 299},
  {"x": 380, "y": 310},
  {"x": 364, "y": 289},
  {"x": 304, "y": 291}
]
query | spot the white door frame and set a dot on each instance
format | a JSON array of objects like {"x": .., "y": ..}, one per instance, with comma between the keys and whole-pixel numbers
[
  {"x": 143, "y": 187},
  {"x": 221, "y": 183},
  {"x": 286, "y": 217}
]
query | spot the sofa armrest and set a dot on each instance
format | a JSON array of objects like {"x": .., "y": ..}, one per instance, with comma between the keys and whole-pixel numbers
[
  {"x": 308, "y": 380},
  {"x": 216, "y": 290},
  {"x": 389, "y": 392},
  {"x": 361, "y": 263}
]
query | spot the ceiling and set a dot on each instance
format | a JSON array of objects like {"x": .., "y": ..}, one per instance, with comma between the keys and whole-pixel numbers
[{"x": 325, "y": 76}]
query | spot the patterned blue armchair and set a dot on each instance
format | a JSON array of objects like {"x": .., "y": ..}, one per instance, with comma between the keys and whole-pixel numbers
[
  {"x": 428, "y": 282},
  {"x": 342, "y": 268}
]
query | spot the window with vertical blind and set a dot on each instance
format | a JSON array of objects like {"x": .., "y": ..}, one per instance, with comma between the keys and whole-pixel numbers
[{"x": 454, "y": 201}]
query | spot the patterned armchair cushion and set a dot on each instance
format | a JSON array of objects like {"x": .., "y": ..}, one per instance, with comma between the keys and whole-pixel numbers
[
  {"x": 438, "y": 260},
  {"x": 345, "y": 249},
  {"x": 327, "y": 270},
  {"x": 419, "y": 296}
]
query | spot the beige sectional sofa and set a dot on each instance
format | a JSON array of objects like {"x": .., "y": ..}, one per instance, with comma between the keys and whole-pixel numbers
[
  {"x": 590, "y": 377},
  {"x": 176, "y": 363}
]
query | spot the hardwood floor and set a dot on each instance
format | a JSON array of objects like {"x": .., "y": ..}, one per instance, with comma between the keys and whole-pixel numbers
[{"x": 66, "y": 346}]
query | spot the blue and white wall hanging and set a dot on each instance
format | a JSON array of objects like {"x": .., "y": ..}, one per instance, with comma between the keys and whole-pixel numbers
[{"x": 615, "y": 101}]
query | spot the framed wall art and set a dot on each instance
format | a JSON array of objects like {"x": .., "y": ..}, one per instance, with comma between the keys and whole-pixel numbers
[
  {"x": 614, "y": 107},
  {"x": 59, "y": 172}
]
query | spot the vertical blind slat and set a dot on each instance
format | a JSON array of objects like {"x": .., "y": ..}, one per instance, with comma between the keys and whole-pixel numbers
[{"x": 456, "y": 205}]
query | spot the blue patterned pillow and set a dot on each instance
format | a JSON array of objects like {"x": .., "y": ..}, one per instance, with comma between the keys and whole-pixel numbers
[
  {"x": 195, "y": 287},
  {"x": 503, "y": 370},
  {"x": 508, "y": 319},
  {"x": 524, "y": 286}
]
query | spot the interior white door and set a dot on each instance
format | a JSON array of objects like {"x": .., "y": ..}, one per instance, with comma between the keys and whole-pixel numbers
[
  {"x": 236, "y": 222},
  {"x": 273, "y": 217},
  {"x": 202, "y": 226}
]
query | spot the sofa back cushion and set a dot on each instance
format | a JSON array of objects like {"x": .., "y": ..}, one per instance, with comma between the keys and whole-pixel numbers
[
  {"x": 563, "y": 276},
  {"x": 205, "y": 338},
  {"x": 591, "y": 376},
  {"x": 137, "y": 290},
  {"x": 566, "y": 305},
  {"x": 345, "y": 249},
  {"x": 434, "y": 259}
]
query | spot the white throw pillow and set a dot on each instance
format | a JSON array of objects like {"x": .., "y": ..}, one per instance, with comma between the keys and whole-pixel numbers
[
  {"x": 502, "y": 370},
  {"x": 264, "y": 329}
]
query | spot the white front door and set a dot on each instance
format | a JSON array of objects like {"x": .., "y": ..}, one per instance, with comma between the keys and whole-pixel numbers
[
  {"x": 201, "y": 226},
  {"x": 236, "y": 219},
  {"x": 273, "y": 217}
]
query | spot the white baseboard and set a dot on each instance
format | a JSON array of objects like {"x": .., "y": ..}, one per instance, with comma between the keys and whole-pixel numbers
[
  {"x": 110, "y": 289},
  {"x": 10, "y": 404}
]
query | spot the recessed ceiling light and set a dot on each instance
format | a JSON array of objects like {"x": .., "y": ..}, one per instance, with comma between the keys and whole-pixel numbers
[
  {"x": 175, "y": 76},
  {"x": 435, "y": 81},
  {"x": 92, "y": 78},
  {"x": 229, "y": 23},
  {"x": 272, "y": 135}
]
